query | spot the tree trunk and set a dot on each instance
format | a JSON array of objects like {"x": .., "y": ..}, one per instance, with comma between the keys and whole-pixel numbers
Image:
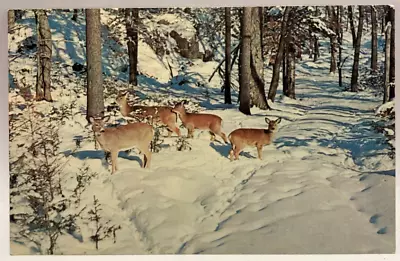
[
  {"x": 392, "y": 53},
  {"x": 227, "y": 87},
  {"x": 131, "y": 22},
  {"x": 11, "y": 19},
  {"x": 386, "y": 91},
  {"x": 352, "y": 27},
  {"x": 75, "y": 15},
  {"x": 316, "y": 48},
  {"x": 95, "y": 100},
  {"x": 275, "y": 71},
  {"x": 256, "y": 84},
  {"x": 284, "y": 70},
  {"x": 354, "y": 75},
  {"x": 333, "y": 38},
  {"x": 44, "y": 54},
  {"x": 245, "y": 51},
  {"x": 291, "y": 69},
  {"x": 340, "y": 41},
  {"x": 374, "y": 41}
]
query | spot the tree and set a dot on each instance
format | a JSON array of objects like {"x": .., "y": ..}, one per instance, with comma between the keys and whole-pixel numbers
[
  {"x": 352, "y": 27},
  {"x": 374, "y": 41},
  {"x": 244, "y": 69},
  {"x": 386, "y": 91},
  {"x": 256, "y": 84},
  {"x": 11, "y": 19},
  {"x": 339, "y": 34},
  {"x": 354, "y": 75},
  {"x": 44, "y": 54},
  {"x": 275, "y": 71},
  {"x": 227, "y": 84},
  {"x": 131, "y": 21},
  {"x": 75, "y": 15},
  {"x": 333, "y": 25},
  {"x": 289, "y": 91},
  {"x": 392, "y": 53},
  {"x": 95, "y": 100}
]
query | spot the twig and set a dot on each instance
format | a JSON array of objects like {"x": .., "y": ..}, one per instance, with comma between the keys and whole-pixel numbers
[{"x": 221, "y": 63}]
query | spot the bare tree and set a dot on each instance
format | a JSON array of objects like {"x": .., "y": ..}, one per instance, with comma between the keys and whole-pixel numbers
[
  {"x": 95, "y": 100},
  {"x": 374, "y": 41},
  {"x": 244, "y": 69},
  {"x": 11, "y": 19},
  {"x": 339, "y": 34},
  {"x": 392, "y": 53},
  {"x": 332, "y": 37},
  {"x": 352, "y": 27},
  {"x": 275, "y": 71},
  {"x": 291, "y": 68},
  {"x": 256, "y": 84},
  {"x": 227, "y": 87},
  {"x": 131, "y": 21},
  {"x": 354, "y": 75},
  {"x": 386, "y": 91},
  {"x": 44, "y": 54}
]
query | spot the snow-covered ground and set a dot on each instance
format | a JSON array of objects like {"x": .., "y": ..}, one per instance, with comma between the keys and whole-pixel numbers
[{"x": 326, "y": 184}]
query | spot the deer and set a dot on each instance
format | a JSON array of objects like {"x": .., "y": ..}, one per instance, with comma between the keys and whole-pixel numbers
[
  {"x": 159, "y": 114},
  {"x": 123, "y": 137},
  {"x": 242, "y": 138},
  {"x": 201, "y": 121}
]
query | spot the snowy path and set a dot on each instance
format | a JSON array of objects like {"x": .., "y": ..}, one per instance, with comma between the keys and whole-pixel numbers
[{"x": 318, "y": 190}]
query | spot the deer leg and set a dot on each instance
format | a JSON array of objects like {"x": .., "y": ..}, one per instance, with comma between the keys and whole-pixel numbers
[
  {"x": 169, "y": 132},
  {"x": 231, "y": 152},
  {"x": 190, "y": 131},
  {"x": 237, "y": 150},
  {"x": 212, "y": 136},
  {"x": 259, "y": 151},
  {"x": 114, "y": 157},
  {"x": 146, "y": 158}
]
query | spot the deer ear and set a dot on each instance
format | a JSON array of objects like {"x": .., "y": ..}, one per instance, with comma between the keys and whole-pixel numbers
[
  {"x": 91, "y": 119},
  {"x": 106, "y": 118},
  {"x": 278, "y": 120},
  {"x": 266, "y": 120}
]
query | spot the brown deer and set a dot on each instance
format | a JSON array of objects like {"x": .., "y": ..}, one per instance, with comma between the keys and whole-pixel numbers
[
  {"x": 241, "y": 138},
  {"x": 123, "y": 137},
  {"x": 158, "y": 114},
  {"x": 201, "y": 121}
]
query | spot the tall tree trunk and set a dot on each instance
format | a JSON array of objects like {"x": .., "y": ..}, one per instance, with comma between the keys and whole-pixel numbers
[
  {"x": 291, "y": 69},
  {"x": 227, "y": 87},
  {"x": 75, "y": 15},
  {"x": 256, "y": 84},
  {"x": 316, "y": 48},
  {"x": 392, "y": 53},
  {"x": 284, "y": 69},
  {"x": 340, "y": 41},
  {"x": 275, "y": 71},
  {"x": 333, "y": 38},
  {"x": 374, "y": 41},
  {"x": 245, "y": 52},
  {"x": 386, "y": 91},
  {"x": 95, "y": 100},
  {"x": 354, "y": 75},
  {"x": 11, "y": 19},
  {"x": 352, "y": 27},
  {"x": 131, "y": 22},
  {"x": 44, "y": 54}
]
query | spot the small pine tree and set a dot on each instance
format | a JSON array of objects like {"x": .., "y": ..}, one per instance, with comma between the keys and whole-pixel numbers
[{"x": 183, "y": 144}]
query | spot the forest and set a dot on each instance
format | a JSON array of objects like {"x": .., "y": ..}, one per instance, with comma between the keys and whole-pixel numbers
[{"x": 232, "y": 130}]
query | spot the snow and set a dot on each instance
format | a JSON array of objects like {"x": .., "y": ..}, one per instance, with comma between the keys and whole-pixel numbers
[{"x": 326, "y": 184}]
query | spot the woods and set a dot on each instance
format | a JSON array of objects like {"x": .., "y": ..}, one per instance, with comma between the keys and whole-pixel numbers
[{"x": 235, "y": 108}]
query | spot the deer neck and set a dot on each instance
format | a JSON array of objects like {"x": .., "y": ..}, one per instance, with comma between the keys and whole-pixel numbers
[{"x": 183, "y": 115}]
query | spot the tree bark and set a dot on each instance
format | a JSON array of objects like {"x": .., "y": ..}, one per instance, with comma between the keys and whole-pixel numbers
[
  {"x": 245, "y": 52},
  {"x": 275, "y": 71},
  {"x": 374, "y": 41},
  {"x": 11, "y": 19},
  {"x": 333, "y": 38},
  {"x": 95, "y": 100},
  {"x": 392, "y": 71},
  {"x": 131, "y": 21},
  {"x": 284, "y": 69},
  {"x": 44, "y": 54},
  {"x": 386, "y": 91},
  {"x": 291, "y": 69},
  {"x": 352, "y": 27},
  {"x": 227, "y": 87},
  {"x": 339, "y": 33},
  {"x": 354, "y": 75},
  {"x": 256, "y": 84}
]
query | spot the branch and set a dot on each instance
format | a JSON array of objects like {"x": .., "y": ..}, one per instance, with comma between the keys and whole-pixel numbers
[
  {"x": 341, "y": 64},
  {"x": 222, "y": 62}
]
